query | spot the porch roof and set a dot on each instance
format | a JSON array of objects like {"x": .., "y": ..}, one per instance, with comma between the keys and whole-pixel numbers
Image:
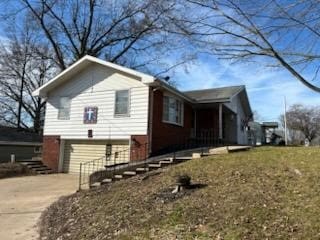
[{"x": 223, "y": 94}]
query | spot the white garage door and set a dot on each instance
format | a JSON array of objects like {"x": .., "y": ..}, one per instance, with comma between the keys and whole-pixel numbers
[{"x": 80, "y": 151}]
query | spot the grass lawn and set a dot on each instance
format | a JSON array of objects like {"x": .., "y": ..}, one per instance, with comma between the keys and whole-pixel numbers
[{"x": 264, "y": 193}]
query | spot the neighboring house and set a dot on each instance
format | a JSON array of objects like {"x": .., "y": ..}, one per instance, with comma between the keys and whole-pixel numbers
[
  {"x": 269, "y": 129},
  {"x": 256, "y": 134},
  {"x": 96, "y": 108},
  {"x": 21, "y": 143},
  {"x": 265, "y": 133},
  {"x": 277, "y": 137}
]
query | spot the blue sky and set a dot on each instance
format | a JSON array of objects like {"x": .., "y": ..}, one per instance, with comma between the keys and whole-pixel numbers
[{"x": 266, "y": 87}]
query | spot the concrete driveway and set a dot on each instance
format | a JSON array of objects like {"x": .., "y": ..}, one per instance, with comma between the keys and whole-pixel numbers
[{"x": 22, "y": 199}]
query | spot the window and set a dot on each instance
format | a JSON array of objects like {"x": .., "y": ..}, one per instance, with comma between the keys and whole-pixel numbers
[
  {"x": 172, "y": 110},
  {"x": 64, "y": 108},
  {"x": 108, "y": 151},
  {"x": 122, "y": 103},
  {"x": 38, "y": 149}
]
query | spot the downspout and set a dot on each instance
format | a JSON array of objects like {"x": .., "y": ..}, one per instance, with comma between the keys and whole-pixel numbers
[
  {"x": 61, "y": 155},
  {"x": 150, "y": 125},
  {"x": 220, "y": 123}
]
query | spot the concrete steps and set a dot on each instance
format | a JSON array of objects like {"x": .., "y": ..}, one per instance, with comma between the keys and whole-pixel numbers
[
  {"x": 118, "y": 177},
  {"x": 106, "y": 181},
  {"x": 166, "y": 161},
  {"x": 95, "y": 185},
  {"x": 36, "y": 166},
  {"x": 141, "y": 170},
  {"x": 154, "y": 165},
  {"x": 129, "y": 173},
  {"x": 220, "y": 151},
  {"x": 186, "y": 158}
]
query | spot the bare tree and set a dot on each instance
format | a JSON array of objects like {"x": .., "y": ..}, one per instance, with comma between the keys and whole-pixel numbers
[
  {"x": 131, "y": 33},
  {"x": 256, "y": 116},
  {"x": 46, "y": 36},
  {"x": 22, "y": 70},
  {"x": 303, "y": 120},
  {"x": 283, "y": 33}
]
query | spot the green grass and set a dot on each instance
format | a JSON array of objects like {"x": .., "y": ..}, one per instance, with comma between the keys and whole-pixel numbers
[{"x": 265, "y": 193}]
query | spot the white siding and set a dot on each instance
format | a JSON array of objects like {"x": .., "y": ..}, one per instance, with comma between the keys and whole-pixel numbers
[
  {"x": 77, "y": 151},
  {"x": 96, "y": 87}
]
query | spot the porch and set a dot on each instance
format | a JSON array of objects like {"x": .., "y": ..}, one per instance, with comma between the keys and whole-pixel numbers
[{"x": 214, "y": 123}]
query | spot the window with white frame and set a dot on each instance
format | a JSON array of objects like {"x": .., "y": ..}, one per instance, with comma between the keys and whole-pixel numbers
[
  {"x": 64, "y": 108},
  {"x": 121, "y": 103},
  {"x": 172, "y": 110}
]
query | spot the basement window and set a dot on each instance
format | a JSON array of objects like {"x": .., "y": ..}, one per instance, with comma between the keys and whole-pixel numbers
[
  {"x": 172, "y": 110},
  {"x": 64, "y": 108}
]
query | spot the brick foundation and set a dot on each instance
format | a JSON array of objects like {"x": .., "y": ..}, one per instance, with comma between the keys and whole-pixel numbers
[
  {"x": 51, "y": 151},
  {"x": 139, "y": 147}
]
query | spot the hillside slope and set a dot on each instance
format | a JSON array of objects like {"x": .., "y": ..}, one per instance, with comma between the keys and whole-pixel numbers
[{"x": 266, "y": 193}]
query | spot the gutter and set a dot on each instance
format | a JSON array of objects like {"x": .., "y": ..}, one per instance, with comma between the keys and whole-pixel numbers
[
  {"x": 166, "y": 86},
  {"x": 10, "y": 143}
]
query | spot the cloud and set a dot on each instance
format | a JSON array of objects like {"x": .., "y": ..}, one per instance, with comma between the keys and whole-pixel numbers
[{"x": 266, "y": 87}]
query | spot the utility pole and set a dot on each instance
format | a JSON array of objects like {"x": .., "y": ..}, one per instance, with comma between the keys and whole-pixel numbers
[{"x": 285, "y": 121}]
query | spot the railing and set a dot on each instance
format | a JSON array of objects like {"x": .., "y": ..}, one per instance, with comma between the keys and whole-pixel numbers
[
  {"x": 128, "y": 159},
  {"x": 189, "y": 143},
  {"x": 87, "y": 168},
  {"x": 107, "y": 166}
]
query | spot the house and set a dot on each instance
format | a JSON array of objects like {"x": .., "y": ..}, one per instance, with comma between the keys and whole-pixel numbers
[
  {"x": 97, "y": 109},
  {"x": 21, "y": 143},
  {"x": 265, "y": 133}
]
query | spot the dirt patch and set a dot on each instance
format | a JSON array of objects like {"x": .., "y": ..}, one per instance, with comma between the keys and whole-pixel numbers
[{"x": 14, "y": 170}]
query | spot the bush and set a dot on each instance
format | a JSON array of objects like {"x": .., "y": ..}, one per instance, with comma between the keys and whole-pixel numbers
[
  {"x": 13, "y": 170},
  {"x": 184, "y": 180}
]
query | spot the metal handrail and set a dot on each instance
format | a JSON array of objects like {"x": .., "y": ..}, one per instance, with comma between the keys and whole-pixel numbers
[
  {"x": 98, "y": 164},
  {"x": 108, "y": 166}
]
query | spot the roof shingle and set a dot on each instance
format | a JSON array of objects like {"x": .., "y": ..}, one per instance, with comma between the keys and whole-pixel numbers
[
  {"x": 214, "y": 94},
  {"x": 10, "y": 134}
]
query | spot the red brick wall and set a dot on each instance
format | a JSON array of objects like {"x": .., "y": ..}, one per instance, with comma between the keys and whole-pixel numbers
[
  {"x": 165, "y": 134},
  {"x": 51, "y": 151},
  {"x": 139, "y": 147}
]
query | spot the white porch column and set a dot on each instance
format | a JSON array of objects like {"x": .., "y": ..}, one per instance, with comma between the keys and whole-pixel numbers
[{"x": 220, "y": 122}]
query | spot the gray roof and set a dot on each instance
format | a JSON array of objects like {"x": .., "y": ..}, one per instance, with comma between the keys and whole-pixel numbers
[
  {"x": 270, "y": 124},
  {"x": 222, "y": 94},
  {"x": 10, "y": 134},
  {"x": 279, "y": 132}
]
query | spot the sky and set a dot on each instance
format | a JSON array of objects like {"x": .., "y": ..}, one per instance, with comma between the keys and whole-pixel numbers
[{"x": 265, "y": 86}]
